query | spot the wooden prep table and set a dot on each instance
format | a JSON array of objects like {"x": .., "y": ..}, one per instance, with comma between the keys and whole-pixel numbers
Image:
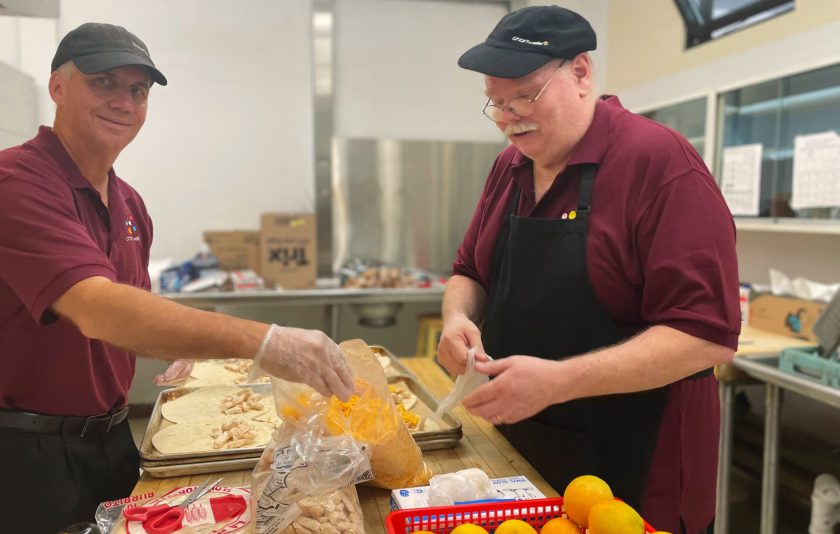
[{"x": 482, "y": 446}]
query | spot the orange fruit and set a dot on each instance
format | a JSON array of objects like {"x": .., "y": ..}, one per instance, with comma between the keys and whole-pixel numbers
[
  {"x": 560, "y": 525},
  {"x": 582, "y": 494},
  {"x": 515, "y": 526},
  {"x": 615, "y": 517},
  {"x": 468, "y": 528}
]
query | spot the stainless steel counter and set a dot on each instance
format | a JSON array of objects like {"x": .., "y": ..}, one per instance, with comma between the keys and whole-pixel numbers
[{"x": 376, "y": 302}]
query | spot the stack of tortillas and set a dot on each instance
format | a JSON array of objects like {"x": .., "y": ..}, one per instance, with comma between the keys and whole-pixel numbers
[{"x": 214, "y": 419}]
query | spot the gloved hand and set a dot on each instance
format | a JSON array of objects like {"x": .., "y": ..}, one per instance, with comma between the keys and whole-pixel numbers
[
  {"x": 177, "y": 372},
  {"x": 307, "y": 356}
]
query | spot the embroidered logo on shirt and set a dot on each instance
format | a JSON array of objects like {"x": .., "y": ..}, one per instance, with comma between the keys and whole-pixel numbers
[{"x": 133, "y": 233}]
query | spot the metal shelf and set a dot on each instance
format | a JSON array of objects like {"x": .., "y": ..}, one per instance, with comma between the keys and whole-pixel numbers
[{"x": 788, "y": 225}]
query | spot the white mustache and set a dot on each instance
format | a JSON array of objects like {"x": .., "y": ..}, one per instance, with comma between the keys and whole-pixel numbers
[{"x": 520, "y": 127}]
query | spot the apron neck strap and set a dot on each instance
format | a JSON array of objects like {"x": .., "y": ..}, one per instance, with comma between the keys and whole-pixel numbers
[{"x": 586, "y": 182}]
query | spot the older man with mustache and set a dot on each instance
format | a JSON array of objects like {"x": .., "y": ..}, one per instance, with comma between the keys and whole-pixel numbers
[{"x": 599, "y": 271}]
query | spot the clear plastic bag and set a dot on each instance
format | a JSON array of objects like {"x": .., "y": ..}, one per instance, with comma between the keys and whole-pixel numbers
[
  {"x": 370, "y": 417},
  {"x": 302, "y": 466},
  {"x": 465, "y": 485},
  {"x": 464, "y": 385}
]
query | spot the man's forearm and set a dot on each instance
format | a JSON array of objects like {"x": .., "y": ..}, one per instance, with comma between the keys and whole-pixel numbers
[
  {"x": 657, "y": 357},
  {"x": 150, "y": 325},
  {"x": 464, "y": 296}
]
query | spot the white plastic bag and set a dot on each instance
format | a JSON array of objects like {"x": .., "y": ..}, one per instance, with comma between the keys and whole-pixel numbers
[
  {"x": 462, "y": 486},
  {"x": 464, "y": 385}
]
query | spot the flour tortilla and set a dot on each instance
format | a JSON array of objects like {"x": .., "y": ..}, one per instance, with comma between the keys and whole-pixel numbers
[
  {"x": 196, "y": 436},
  {"x": 206, "y": 403},
  {"x": 213, "y": 373}
]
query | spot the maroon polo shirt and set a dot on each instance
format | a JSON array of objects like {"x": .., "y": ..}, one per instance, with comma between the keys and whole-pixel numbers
[
  {"x": 54, "y": 232},
  {"x": 660, "y": 250},
  {"x": 661, "y": 247}
]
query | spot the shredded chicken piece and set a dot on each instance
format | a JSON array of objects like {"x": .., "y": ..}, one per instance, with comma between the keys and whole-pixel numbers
[
  {"x": 242, "y": 402},
  {"x": 233, "y": 434},
  {"x": 239, "y": 366},
  {"x": 399, "y": 392}
]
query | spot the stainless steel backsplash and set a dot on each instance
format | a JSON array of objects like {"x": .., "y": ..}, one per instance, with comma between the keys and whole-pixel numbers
[{"x": 406, "y": 202}]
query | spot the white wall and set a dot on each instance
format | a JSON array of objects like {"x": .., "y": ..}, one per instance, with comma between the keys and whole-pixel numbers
[
  {"x": 230, "y": 137},
  {"x": 17, "y": 120},
  {"x": 18, "y": 94},
  {"x": 397, "y": 74},
  {"x": 813, "y": 47}
]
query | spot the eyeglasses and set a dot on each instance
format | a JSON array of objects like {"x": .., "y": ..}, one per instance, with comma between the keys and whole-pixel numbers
[{"x": 521, "y": 106}]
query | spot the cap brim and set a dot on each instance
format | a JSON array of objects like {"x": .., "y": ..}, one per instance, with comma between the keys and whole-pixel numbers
[
  {"x": 501, "y": 62},
  {"x": 94, "y": 63}
]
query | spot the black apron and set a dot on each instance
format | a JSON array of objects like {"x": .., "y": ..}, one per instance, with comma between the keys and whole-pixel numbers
[{"x": 541, "y": 303}]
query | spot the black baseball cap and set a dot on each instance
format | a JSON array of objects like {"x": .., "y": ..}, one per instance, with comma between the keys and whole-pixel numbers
[
  {"x": 96, "y": 47},
  {"x": 528, "y": 38}
]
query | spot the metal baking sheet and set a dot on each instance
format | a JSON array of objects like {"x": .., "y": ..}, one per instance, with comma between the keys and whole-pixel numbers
[
  {"x": 450, "y": 429},
  {"x": 157, "y": 422},
  {"x": 176, "y": 464},
  {"x": 163, "y": 470},
  {"x": 397, "y": 368}
]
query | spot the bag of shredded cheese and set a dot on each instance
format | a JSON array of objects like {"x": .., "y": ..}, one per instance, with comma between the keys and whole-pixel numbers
[{"x": 370, "y": 417}]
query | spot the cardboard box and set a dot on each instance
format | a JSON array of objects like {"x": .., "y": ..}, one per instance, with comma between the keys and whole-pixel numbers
[
  {"x": 787, "y": 316},
  {"x": 236, "y": 250},
  {"x": 516, "y": 488},
  {"x": 288, "y": 249}
]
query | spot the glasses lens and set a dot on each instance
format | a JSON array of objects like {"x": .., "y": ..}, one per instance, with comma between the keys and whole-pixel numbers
[
  {"x": 494, "y": 113},
  {"x": 522, "y": 107}
]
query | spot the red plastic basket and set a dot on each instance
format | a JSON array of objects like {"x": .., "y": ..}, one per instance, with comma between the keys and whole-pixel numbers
[{"x": 442, "y": 519}]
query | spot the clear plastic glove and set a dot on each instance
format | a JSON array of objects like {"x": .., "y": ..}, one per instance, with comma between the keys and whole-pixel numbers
[
  {"x": 177, "y": 372},
  {"x": 307, "y": 356},
  {"x": 464, "y": 385}
]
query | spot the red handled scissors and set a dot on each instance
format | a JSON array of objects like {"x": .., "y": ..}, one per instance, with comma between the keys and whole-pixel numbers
[{"x": 165, "y": 518}]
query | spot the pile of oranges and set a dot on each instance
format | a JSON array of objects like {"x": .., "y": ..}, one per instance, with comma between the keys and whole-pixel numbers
[{"x": 590, "y": 508}]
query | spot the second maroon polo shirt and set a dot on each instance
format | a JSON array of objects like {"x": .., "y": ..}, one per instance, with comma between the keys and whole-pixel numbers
[{"x": 661, "y": 238}]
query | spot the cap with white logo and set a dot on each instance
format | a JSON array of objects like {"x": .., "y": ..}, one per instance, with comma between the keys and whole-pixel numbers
[{"x": 526, "y": 39}]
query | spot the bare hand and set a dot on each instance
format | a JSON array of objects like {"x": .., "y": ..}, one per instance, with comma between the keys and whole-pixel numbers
[
  {"x": 522, "y": 387},
  {"x": 459, "y": 334}
]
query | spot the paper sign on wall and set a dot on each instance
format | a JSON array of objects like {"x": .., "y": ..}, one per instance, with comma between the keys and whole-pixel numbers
[
  {"x": 816, "y": 171},
  {"x": 742, "y": 178}
]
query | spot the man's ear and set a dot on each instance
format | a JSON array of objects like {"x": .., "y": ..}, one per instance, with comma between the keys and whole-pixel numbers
[
  {"x": 56, "y": 86},
  {"x": 582, "y": 71}
]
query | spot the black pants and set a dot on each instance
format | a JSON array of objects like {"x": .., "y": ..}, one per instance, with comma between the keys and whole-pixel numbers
[{"x": 51, "y": 481}]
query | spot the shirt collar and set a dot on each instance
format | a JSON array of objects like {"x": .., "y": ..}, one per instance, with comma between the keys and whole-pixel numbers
[
  {"x": 592, "y": 147},
  {"x": 52, "y": 145}
]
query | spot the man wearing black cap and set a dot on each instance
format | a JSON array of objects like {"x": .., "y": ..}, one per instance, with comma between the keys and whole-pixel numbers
[
  {"x": 601, "y": 262},
  {"x": 74, "y": 300}
]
